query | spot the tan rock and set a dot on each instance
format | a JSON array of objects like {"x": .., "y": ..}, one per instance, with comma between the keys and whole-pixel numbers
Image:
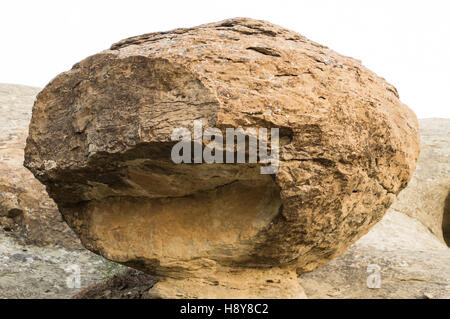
[
  {"x": 26, "y": 211},
  {"x": 100, "y": 141},
  {"x": 237, "y": 283},
  {"x": 407, "y": 245}
]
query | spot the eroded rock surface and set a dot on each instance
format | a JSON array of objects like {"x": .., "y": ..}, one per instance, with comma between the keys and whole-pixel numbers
[
  {"x": 100, "y": 141},
  {"x": 407, "y": 245},
  {"x": 26, "y": 211}
]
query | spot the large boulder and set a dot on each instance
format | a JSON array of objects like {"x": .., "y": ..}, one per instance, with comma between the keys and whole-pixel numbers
[
  {"x": 26, "y": 211},
  {"x": 100, "y": 140}
]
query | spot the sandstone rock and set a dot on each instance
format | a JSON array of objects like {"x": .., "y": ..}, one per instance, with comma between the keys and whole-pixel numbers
[
  {"x": 100, "y": 140},
  {"x": 407, "y": 244},
  {"x": 26, "y": 211}
]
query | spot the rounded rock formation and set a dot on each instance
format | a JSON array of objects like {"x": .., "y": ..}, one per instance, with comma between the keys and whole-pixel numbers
[{"x": 100, "y": 140}]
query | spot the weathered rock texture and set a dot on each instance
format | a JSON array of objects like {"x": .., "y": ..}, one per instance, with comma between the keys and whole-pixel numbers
[
  {"x": 26, "y": 211},
  {"x": 100, "y": 141},
  {"x": 414, "y": 261}
]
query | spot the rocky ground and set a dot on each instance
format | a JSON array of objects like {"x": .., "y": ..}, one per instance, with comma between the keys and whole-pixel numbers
[
  {"x": 29, "y": 271},
  {"x": 130, "y": 284},
  {"x": 404, "y": 256},
  {"x": 428, "y": 192},
  {"x": 412, "y": 264},
  {"x": 36, "y": 246}
]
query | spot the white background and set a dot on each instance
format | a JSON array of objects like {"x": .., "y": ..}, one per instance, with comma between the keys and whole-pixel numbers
[{"x": 406, "y": 42}]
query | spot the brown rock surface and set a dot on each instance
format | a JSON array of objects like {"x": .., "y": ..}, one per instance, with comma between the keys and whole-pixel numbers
[
  {"x": 413, "y": 262},
  {"x": 26, "y": 211},
  {"x": 407, "y": 244},
  {"x": 100, "y": 141}
]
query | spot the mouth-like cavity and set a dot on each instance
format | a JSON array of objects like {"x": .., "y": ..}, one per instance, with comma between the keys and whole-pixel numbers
[{"x": 170, "y": 212}]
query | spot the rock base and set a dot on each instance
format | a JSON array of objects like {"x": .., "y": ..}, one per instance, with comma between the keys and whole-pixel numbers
[{"x": 233, "y": 283}]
